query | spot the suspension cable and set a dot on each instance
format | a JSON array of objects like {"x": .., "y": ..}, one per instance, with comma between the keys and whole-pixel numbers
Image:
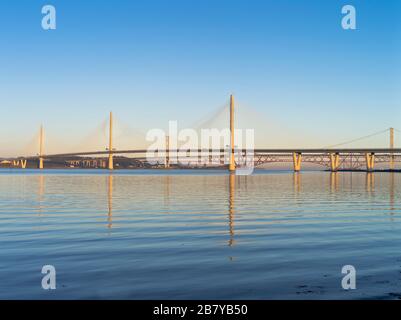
[{"x": 358, "y": 139}]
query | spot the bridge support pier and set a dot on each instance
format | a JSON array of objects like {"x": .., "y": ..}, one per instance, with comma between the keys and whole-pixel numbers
[
  {"x": 334, "y": 161},
  {"x": 23, "y": 164},
  {"x": 297, "y": 158},
  {"x": 167, "y": 159},
  {"x": 370, "y": 161}
]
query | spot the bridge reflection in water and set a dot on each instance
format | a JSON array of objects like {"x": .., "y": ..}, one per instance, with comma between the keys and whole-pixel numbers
[
  {"x": 231, "y": 209},
  {"x": 165, "y": 227},
  {"x": 110, "y": 200},
  {"x": 337, "y": 182},
  {"x": 166, "y": 196}
]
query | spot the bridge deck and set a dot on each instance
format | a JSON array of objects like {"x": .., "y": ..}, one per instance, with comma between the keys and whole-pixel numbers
[{"x": 255, "y": 151}]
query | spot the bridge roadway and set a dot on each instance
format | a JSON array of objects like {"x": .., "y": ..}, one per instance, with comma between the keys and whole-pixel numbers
[
  {"x": 255, "y": 151},
  {"x": 345, "y": 158}
]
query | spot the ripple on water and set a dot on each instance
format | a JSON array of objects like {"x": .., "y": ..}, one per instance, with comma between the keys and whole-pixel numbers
[{"x": 199, "y": 235}]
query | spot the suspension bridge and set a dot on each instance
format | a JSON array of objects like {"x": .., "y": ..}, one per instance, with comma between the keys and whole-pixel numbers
[{"x": 230, "y": 156}]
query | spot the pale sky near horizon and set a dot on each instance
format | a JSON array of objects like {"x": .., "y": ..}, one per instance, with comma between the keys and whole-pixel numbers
[{"x": 155, "y": 61}]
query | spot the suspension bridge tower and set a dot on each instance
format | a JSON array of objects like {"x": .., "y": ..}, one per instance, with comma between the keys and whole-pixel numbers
[
  {"x": 392, "y": 147},
  {"x": 111, "y": 167},
  {"x": 231, "y": 166},
  {"x": 41, "y": 147}
]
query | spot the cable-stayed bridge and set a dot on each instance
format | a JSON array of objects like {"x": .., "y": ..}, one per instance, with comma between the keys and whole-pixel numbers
[{"x": 230, "y": 154}]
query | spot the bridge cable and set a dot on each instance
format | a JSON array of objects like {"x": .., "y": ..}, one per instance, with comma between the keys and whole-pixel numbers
[{"x": 358, "y": 139}]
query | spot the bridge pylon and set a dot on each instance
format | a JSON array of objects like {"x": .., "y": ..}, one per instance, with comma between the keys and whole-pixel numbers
[
  {"x": 167, "y": 155},
  {"x": 41, "y": 137},
  {"x": 231, "y": 166},
  {"x": 392, "y": 147},
  {"x": 110, "y": 164}
]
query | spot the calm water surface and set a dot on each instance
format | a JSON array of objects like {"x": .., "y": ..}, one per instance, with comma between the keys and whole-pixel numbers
[{"x": 199, "y": 234}]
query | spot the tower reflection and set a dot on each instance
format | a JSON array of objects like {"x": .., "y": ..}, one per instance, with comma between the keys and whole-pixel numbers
[
  {"x": 110, "y": 201},
  {"x": 333, "y": 181},
  {"x": 370, "y": 182},
  {"x": 391, "y": 192},
  {"x": 296, "y": 179},
  {"x": 231, "y": 194},
  {"x": 41, "y": 192},
  {"x": 167, "y": 182}
]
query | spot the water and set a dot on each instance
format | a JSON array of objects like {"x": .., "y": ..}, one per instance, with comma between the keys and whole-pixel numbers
[{"x": 199, "y": 234}]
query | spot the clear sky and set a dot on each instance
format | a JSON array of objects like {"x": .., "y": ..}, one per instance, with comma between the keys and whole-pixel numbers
[{"x": 158, "y": 60}]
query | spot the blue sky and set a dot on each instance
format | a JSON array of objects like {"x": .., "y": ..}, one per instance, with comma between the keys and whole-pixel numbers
[{"x": 154, "y": 61}]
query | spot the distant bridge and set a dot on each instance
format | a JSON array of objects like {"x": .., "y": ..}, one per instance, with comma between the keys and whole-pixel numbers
[{"x": 332, "y": 158}]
